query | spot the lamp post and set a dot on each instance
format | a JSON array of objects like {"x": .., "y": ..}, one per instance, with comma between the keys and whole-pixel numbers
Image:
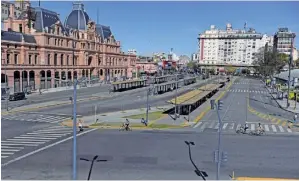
[
  {"x": 92, "y": 162},
  {"x": 290, "y": 64},
  {"x": 175, "y": 99}
]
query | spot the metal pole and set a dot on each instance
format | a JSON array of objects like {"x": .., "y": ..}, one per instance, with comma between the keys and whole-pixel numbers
[
  {"x": 75, "y": 132},
  {"x": 176, "y": 92},
  {"x": 219, "y": 143},
  {"x": 246, "y": 100},
  {"x": 95, "y": 112},
  {"x": 7, "y": 96},
  {"x": 147, "y": 97},
  {"x": 289, "y": 78},
  {"x": 189, "y": 112}
]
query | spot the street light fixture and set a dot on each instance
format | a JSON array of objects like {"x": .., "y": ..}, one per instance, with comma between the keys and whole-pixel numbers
[
  {"x": 92, "y": 161},
  {"x": 198, "y": 172}
]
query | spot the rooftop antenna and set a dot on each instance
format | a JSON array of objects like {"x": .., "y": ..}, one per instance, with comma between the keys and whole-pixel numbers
[{"x": 97, "y": 15}]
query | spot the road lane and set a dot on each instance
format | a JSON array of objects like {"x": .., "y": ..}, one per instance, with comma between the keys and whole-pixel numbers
[{"x": 161, "y": 155}]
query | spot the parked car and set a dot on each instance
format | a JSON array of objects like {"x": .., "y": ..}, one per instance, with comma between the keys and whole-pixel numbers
[{"x": 17, "y": 96}]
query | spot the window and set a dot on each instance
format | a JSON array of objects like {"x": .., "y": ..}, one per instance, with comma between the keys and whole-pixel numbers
[
  {"x": 7, "y": 58},
  {"x": 74, "y": 58},
  {"x": 67, "y": 59},
  {"x": 20, "y": 28},
  {"x": 61, "y": 59},
  {"x": 55, "y": 43},
  {"x": 16, "y": 58},
  {"x": 55, "y": 59},
  {"x": 35, "y": 59},
  {"x": 48, "y": 42},
  {"x": 49, "y": 59},
  {"x": 30, "y": 59}
]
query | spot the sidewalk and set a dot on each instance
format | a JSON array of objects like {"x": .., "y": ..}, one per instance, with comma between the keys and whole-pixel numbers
[
  {"x": 115, "y": 119},
  {"x": 283, "y": 103}
]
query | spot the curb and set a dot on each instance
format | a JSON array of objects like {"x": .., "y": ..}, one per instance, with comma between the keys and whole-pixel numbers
[{"x": 51, "y": 105}]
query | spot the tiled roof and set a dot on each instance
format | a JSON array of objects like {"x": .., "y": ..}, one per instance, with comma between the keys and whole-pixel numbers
[
  {"x": 17, "y": 37},
  {"x": 103, "y": 31},
  {"x": 78, "y": 18}
]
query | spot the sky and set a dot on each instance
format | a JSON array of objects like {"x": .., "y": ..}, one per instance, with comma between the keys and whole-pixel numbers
[{"x": 154, "y": 26}]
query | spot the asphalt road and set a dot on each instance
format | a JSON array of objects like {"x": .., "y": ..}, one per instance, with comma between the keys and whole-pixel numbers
[
  {"x": 160, "y": 155},
  {"x": 130, "y": 100},
  {"x": 57, "y": 96},
  {"x": 235, "y": 111}
]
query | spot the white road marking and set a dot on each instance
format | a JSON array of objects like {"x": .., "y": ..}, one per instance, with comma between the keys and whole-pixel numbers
[
  {"x": 44, "y": 135},
  {"x": 211, "y": 125},
  {"x": 238, "y": 126},
  {"x": 232, "y": 126},
  {"x": 267, "y": 128},
  {"x": 53, "y": 134},
  {"x": 6, "y": 153},
  {"x": 274, "y": 128},
  {"x": 252, "y": 127},
  {"x": 18, "y": 144},
  {"x": 11, "y": 147},
  {"x": 9, "y": 150},
  {"x": 26, "y": 139},
  {"x": 4, "y": 156},
  {"x": 54, "y": 131},
  {"x": 204, "y": 125},
  {"x": 281, "y": 129},
  {"x": 289, "y": 130},
  {"x": 224, "y": 125},
  {"x": 26, "y": 142},
  {"x": 217, "y": 126},
  {"x": 44, "y": 148},
  {"x": 35, "y": 137},
  {"x": 198, "y": 124}
]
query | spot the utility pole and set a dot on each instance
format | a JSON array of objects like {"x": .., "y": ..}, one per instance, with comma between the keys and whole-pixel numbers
[
  {"x": 147, "y": 98},
  {"x": 219, "y": 155},
  {"x": 289, "y": 77},
  {"x": 175, "y": 99}
]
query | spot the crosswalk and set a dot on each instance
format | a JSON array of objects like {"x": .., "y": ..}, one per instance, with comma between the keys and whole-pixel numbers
[
  {"x": 249, "y": 91},
  {"x": 242, "y": 83},
  {"x": 232, "y": 127},
  {"x": 32, "y": 139},
  {"x": 35, "y": 117}
]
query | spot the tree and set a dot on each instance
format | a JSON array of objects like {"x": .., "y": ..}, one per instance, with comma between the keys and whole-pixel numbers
[
  {"x": 231, "y": 69},
  {"x": 269, "y": 62}
]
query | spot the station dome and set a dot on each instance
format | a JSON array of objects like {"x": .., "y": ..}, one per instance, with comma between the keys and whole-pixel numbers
[{"x": 78, "y": 18}]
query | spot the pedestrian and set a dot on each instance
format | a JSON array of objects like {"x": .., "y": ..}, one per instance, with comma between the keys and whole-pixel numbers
[{"x": 295, "y": 117}]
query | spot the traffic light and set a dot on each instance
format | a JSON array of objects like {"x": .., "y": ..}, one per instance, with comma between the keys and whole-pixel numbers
[
  {"x": 224, "y": 157},
  {"x": 220, "y": 105},
  {"x": 212, "y": 104}
]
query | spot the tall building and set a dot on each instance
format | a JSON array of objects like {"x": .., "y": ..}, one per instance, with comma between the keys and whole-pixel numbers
[
  {"x": 284, "y": 41},
  {"x": 41, "y": 52},
  {"x": 229, "y": 46},
  {"x": 13, "y": 8}
]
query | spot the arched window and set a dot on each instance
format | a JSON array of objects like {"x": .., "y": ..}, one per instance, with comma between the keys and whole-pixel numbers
[
  {"x": 61, "y": 59},
  {"x": 49, "y": 59}
]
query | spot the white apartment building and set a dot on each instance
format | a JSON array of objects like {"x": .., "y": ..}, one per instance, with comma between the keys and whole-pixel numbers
[{"x": 229, "y": 46}]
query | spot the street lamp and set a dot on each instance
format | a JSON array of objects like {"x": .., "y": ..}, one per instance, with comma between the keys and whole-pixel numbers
[
  {"x": 198, "y": 172},
  {"x": 92, "y": 161},
  {"x": 175, "y": 99}
]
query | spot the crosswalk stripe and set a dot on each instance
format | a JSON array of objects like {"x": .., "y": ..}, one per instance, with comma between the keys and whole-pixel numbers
[
  {"x": 198, "y": 124},
  {"x": 12, "y": 147},
  {"x": 289, "y": 130},
  {"x": 53, "y": 131},
  {"x": 4, "y": 156},
  {"x": 11, "y": 144},
  {"x": 281, "y": 129},
  {"x": 267, "y": 128},
  {"x": 274, "y": 128},
  {"x": 224, "y": 125},
  {"x": 232, "y": 126},
  {"x": 26, "y": 139},
  {"x": 9, "y": 150},
  {"x": 43, "y": 135},
  {"x": 35, "y": 137},
  {"x": 60, "y": 135},
  {"x": 217, "y": 126},
  {"x": 238, "y": 126},
  {"x": 29, "y": 142},
  {"x": 6, "y": 153},
  {"x": 211, "y": 125},
  {"x": 252, "y": 127}
]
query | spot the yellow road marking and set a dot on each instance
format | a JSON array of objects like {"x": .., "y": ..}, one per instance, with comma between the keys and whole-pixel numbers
[{"x": 261, "y": 178}]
